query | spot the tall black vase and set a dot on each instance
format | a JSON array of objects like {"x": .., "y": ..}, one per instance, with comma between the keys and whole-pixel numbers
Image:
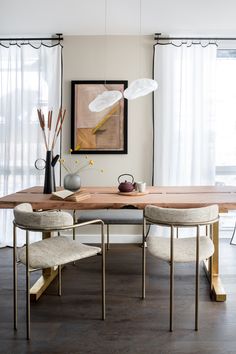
[{"x": 49, "y": 178}]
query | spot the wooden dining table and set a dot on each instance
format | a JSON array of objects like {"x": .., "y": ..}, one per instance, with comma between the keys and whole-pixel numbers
[{"x": 110, "y": 198}]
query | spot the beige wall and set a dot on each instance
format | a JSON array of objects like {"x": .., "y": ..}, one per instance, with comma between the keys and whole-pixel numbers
[{"x": 113, "y": 58}]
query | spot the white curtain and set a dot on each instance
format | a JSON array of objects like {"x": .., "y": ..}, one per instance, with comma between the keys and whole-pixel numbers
[
  {"x": 30, "y": 78},
  {"x": 184, "y": 114}
]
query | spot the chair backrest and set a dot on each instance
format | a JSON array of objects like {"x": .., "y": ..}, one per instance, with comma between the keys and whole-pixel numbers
[
  {"x": 25, "y": 217},
  {"x": 184, "y": 217}
]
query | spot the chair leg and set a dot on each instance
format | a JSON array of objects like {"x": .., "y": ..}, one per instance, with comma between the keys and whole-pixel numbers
[
  {"x": 15, "y": 278},
  {"x": 171, "y": 278},
  {"x": 73, "y": 230},
  {"x": 144, "y": 260},
  {"x": 209, "y": 233},
  {"x": 27, "y": 287},
  {"x": 59, "y": 280},
  {"x": 197, "y": 279},
  {"x": 108, "y": 237},
  {"x": 103, "y": 273},
  {"x": 74, "y": 220}
]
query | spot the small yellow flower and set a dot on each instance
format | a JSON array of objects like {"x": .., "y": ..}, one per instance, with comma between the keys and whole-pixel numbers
[
  {"x": 71, "y": 150},
  {"x": 80, "y": 165}
]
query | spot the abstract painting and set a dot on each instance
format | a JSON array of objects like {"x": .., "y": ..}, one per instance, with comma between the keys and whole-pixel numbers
[{"x": 98, "y": 132}]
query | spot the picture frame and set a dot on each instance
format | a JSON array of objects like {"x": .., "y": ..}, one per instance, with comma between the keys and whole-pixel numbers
[{"x": 102, "y": 132}]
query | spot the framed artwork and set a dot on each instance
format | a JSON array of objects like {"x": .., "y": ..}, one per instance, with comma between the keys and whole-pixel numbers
[{"x": 102, "y": 132}]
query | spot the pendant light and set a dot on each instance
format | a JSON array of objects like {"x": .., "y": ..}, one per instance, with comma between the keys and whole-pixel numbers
[
  {"x": 109, "y": 97},
  {"x": 140, "y": 87},
  {"x": 104, "y": 100}
]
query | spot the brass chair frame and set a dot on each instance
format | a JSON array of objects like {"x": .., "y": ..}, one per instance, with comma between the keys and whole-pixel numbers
[
  {"x": 172, "y": 226},
  {"x": 231, "y": 242},
  {"x": 28, "y": 270}
]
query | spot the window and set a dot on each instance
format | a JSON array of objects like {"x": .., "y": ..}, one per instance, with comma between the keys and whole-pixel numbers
[
  {"x": 20, "y": 80},
  {"x": 226, "y": 116},
  {"x": 226, "y": 126},
  {"x": 30, "y": 77}
]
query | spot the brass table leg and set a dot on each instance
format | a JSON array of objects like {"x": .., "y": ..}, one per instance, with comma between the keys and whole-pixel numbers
[
  {"x": 218, "y": 292},
  {"x": 48, "y": 275}
]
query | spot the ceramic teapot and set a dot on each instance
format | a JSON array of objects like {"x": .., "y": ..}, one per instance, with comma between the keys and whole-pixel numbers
[{"x": 126, "y": 186}]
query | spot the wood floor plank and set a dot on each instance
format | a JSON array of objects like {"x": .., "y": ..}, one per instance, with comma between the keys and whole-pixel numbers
[{"x": 71, "y": 324}]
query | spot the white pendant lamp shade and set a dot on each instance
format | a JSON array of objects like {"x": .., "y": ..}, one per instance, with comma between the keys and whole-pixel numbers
[
  {"x": 137, "y": 88},
  {"x": 105, "y": 100},
  {"x": 140, "y": 87}
]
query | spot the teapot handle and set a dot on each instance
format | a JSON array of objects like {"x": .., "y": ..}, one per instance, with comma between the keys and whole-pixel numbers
[{"x": 126, "y": 174}]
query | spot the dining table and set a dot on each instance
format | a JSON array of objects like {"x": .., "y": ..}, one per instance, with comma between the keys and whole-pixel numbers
[{"x": 110, "y": 198}]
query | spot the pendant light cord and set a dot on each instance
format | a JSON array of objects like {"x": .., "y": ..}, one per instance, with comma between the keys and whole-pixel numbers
[
  {"x": 105, "y": 44},
  {"x": 140, "y": 34}
]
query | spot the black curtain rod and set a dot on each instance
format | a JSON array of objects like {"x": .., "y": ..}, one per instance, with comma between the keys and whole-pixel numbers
[
  {"x": 159, "y": 38},
  {"x": 58, "y": 38}
]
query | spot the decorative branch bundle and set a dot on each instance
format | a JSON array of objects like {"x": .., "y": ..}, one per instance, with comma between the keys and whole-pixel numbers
[{"x": 58, "y": 127}]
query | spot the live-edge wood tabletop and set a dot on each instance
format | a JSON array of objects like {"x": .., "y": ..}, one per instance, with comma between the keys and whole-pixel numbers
[{"x": 108, "y": 197}]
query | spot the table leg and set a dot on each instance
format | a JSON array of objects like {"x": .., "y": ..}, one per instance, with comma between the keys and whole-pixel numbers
[
  {"x": 218, "y": 292},
  {"x": 42, "y": 283},
  {"x": 48, "y": 275}
]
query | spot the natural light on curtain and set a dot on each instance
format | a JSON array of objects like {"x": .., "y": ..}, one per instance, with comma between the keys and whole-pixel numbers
[
  {"x": 29, "y": 78},
  {"x": 184, "y": 114}
]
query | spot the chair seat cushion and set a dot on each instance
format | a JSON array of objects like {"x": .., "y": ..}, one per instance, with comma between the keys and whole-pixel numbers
[
  {"x": 184, "y": 248},
  {"x": 115, "y": 217},
  {"x": 55, "y": 251}
]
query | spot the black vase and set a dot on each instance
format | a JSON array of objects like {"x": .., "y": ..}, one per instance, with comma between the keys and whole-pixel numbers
[{"x": 49, "y": 178}]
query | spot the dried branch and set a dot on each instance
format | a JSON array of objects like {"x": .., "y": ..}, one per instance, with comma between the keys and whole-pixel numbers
[
  {"x": 59, "y": 129},
  {"x": 42, "y": 125},
  {"x": 59, "y": 117},
  {"x": 49, "y": 126}
]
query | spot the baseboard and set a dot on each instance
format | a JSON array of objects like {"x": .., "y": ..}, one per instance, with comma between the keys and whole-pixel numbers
[
  {"x": 226, "y": 233},
  {"x": 129, "y": 238}
]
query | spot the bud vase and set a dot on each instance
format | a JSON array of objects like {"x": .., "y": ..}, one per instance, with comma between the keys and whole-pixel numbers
[
  {"x": 49, "y": 178},
  {"x": 72, "y": 182}
]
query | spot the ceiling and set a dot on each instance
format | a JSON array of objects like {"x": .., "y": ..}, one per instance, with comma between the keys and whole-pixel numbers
[{"x": 87, "y": 17}]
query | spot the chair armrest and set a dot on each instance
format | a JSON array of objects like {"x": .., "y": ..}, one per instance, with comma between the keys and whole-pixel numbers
[
  {"x": 91, "y": 222},
  {"x": 85, "y": 223},
  {"x": 61, "y": 228}
]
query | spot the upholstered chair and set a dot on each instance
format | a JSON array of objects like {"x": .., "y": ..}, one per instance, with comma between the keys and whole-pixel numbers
[
  {"x": 176, "y": 249},
  {"x": 50, "y": 252}
]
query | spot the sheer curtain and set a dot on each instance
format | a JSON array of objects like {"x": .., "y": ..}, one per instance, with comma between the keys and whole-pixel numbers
[
  {"x": 184, "y": 114},
  {"x": 30, "y": 77}
]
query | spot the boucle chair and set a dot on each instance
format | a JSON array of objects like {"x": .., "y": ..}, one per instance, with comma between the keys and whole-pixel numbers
[
  {"x": 50, "y": 252},
  {"x": 189, "y": 249}
]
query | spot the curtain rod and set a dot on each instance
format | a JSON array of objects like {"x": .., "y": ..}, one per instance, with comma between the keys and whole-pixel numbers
[
  {"x": 158, "y": 37},
  {"x": 58, "y": 38}
]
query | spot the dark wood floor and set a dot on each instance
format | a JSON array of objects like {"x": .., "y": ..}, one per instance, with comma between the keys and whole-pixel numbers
[{"x": 71, "y": 323}]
